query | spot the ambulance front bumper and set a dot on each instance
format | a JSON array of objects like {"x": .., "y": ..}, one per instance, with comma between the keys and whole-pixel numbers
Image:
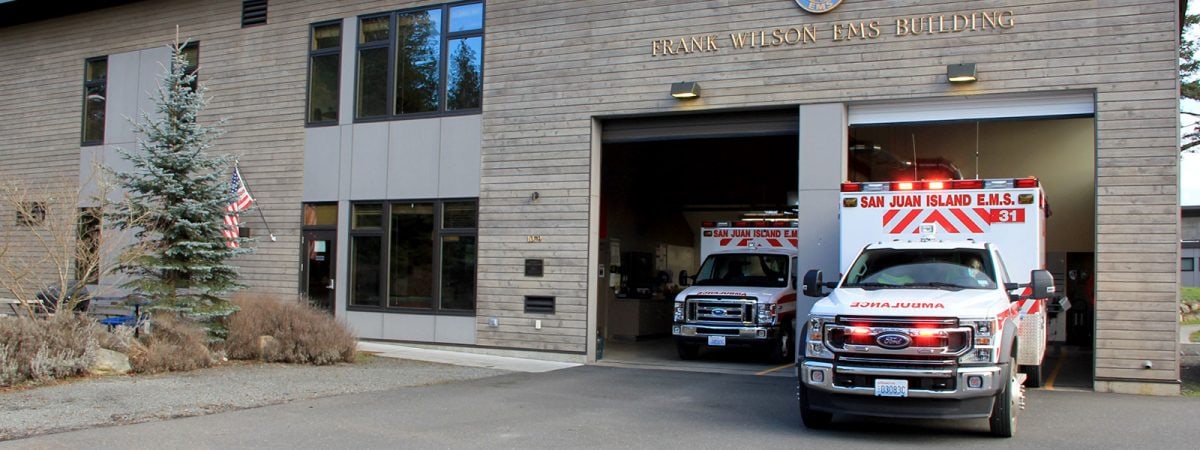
[
  {"x": 960, "y": 393},
  {"x": 701, "y": 333}
]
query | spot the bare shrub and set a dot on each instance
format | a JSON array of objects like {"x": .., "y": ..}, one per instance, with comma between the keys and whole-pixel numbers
[
  {"x": 175, "y": 344},
  {"x": 295, "y": 332},
  {"x": 40, "y": 350}
]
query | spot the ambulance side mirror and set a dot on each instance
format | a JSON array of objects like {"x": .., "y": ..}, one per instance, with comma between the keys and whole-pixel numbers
[
  {"x": 1042, "y": 284},
  {"x": 813, "y": 284},
  {"x": 683, "y": 278}
]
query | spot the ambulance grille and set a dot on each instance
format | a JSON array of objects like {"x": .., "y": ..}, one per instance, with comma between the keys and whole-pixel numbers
[{"x": 725, "y": 311}]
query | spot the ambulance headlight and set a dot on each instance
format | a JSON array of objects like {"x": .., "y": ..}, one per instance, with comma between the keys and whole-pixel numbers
[
  {"x": 679, "y": 311},
  {"x": 814, "y": 346},
  {"x": 766, "y": 314}
]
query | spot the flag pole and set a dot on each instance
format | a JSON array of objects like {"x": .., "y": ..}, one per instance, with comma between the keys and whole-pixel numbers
[{"x": 260, "y": 213}]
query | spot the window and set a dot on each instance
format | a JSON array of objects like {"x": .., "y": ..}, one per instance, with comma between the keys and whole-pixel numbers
[
  {"x": 1187, "y": 264},
  {"x": 87, "y": 255},
  {"x": 420, "y": 62},
  {"x": 31, "y": 213},
  {"x": 95, "y": 86},
  {"x": 191, "y": 54},
  {"x": 324, "y": 68},
  {"x": 419, "y": 256}
]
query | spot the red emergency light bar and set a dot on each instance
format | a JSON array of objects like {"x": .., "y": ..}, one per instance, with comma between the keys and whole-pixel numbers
[
  {"x": 750, "y": 224},
  {"x": 878, "y": 186}
]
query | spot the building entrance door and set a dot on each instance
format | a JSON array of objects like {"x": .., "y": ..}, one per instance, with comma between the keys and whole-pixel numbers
[{"x": 319, "y": 264}]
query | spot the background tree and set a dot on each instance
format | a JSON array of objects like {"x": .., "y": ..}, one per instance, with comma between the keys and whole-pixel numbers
[
  {"x": 466, "y": 83},
  {"x": 1189, "y": 87},
  {"x": 179, "y": 192},
  {"x": 54, "y": 246}
]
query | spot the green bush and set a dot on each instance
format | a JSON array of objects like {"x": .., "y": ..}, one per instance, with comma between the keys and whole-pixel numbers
[
  {"x": 42, "y": 350},
  {"x": 270, "y": 329}
]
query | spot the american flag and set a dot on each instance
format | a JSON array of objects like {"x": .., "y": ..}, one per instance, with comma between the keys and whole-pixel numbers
[{"x": 241, "y": 201}]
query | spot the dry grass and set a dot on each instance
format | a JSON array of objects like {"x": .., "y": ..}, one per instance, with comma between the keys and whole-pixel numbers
[
  {"x": 270, "y": 328},
  {"x": 44, "y": 350},
  {"x": 174, "y": 344}
]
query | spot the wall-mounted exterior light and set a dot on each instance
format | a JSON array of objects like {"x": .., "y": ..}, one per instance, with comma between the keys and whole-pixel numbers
[
  {"x": 961, "y": 73},
  {"x": 685, "y": 89}
]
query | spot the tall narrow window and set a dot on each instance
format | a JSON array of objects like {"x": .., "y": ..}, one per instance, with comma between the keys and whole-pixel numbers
[
  {"x": 411, "y": 253},
  {"x": 373, "y": 36},
  {"x": 95, "y": 86},
  {"x": 191, "y": 54},
  {"x": 464, "y": 67},
  {"x": 324, "y": 68},
  {"x": 87, "y": 254},
  {"x": 366, "y": 254},
  {"x": 418, "y": 48}
]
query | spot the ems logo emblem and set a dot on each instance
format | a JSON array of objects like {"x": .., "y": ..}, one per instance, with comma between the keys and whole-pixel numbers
[{"x": 818, "y": 6}]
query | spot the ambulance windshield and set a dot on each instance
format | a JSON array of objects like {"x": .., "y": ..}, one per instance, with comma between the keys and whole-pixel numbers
[
  {"x": 952, "y": 269},
  {"x": 744, "y": 269}
]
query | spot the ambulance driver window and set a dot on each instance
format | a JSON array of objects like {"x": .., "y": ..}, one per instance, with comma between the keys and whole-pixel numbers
[{"x": 951, "y": 269}]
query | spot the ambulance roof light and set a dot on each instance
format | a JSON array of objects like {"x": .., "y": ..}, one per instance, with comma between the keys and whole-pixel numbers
[
  {"x": 851, "y": 187},
  {"x": 966, "y": 184},
  {"x": 1026, "y": 182},
  {"x": 936, "y": 185}
]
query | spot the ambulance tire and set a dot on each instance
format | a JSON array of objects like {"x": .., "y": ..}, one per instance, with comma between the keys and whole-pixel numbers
[
  {"x": 687, "y": 351},
  {"x": 1003, "y": 421},
  {"x": 1033, "y": 375},
  {"x": 811, "y": 418},
  {"x": 780, "y": 350}
]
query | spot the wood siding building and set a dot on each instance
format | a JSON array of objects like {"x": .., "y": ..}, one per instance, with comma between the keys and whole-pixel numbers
[{"x": 557, "y": 75}]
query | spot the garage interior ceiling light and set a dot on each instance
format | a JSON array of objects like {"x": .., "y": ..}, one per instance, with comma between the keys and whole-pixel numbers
[
  {"x": 961, "y": 73},
  {"x": 685, "y": 89}
]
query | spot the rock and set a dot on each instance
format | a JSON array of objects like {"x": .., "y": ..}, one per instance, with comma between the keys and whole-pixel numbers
[{"x": 110, "y": 362}]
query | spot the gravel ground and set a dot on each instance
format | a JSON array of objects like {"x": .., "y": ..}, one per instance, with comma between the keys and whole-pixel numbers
[{"x": 92, "y": 402}]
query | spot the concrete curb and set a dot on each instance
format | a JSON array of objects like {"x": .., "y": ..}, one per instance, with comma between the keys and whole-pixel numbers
[{"x": 462, "y": 358}]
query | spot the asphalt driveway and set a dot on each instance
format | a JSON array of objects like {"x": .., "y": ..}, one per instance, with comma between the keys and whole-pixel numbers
[{"x": 614, "y": 407}]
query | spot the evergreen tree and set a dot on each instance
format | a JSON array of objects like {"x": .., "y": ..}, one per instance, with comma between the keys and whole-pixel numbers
[{"x": 179, "y": 192}]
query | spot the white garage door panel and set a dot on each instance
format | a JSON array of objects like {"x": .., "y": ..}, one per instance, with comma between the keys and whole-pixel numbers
[{"x": 1042, "y": 104}]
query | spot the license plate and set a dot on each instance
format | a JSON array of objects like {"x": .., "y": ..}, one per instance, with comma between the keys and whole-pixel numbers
[
  {"x": 891, "y": 388},
  {"x": 716, "y": 341}
]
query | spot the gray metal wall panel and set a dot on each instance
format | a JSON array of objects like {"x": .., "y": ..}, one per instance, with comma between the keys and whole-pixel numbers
[
  {"x": 123, "y": 96},
  {"x": 322, "y": 154},
  {"x": 458, "y": 168},
  {"x": 413, "y": 158},
  {"x": 407, "y": 327},
  {"x": 821, "y": 172},
  {"x": 153, "y": 62},
  {"x": 454, "y": 330},
  {"x": 369, "y": 161},
  {"x": 365, "y": 325}
]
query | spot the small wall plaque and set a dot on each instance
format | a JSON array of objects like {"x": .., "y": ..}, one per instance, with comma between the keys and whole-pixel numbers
[{"x": 533, "y": 267}]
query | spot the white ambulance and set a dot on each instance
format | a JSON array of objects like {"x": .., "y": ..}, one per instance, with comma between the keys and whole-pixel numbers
[
  {"x": 942, "y": 299},
  {"x": 744, "y": 294}
]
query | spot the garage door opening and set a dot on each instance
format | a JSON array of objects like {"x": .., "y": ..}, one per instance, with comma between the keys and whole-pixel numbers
[
  {"x": 1060, "y": 152},
  {"x": 661, "y": 179}
]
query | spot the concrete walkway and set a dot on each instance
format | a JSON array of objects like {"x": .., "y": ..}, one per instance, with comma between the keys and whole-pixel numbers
[
  {"x": 462, "y": 358},
  {"x": 1185, "y": 331}
]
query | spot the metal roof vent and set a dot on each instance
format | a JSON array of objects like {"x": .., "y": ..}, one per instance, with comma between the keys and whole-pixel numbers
[{"x": 254, "y": 12}]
